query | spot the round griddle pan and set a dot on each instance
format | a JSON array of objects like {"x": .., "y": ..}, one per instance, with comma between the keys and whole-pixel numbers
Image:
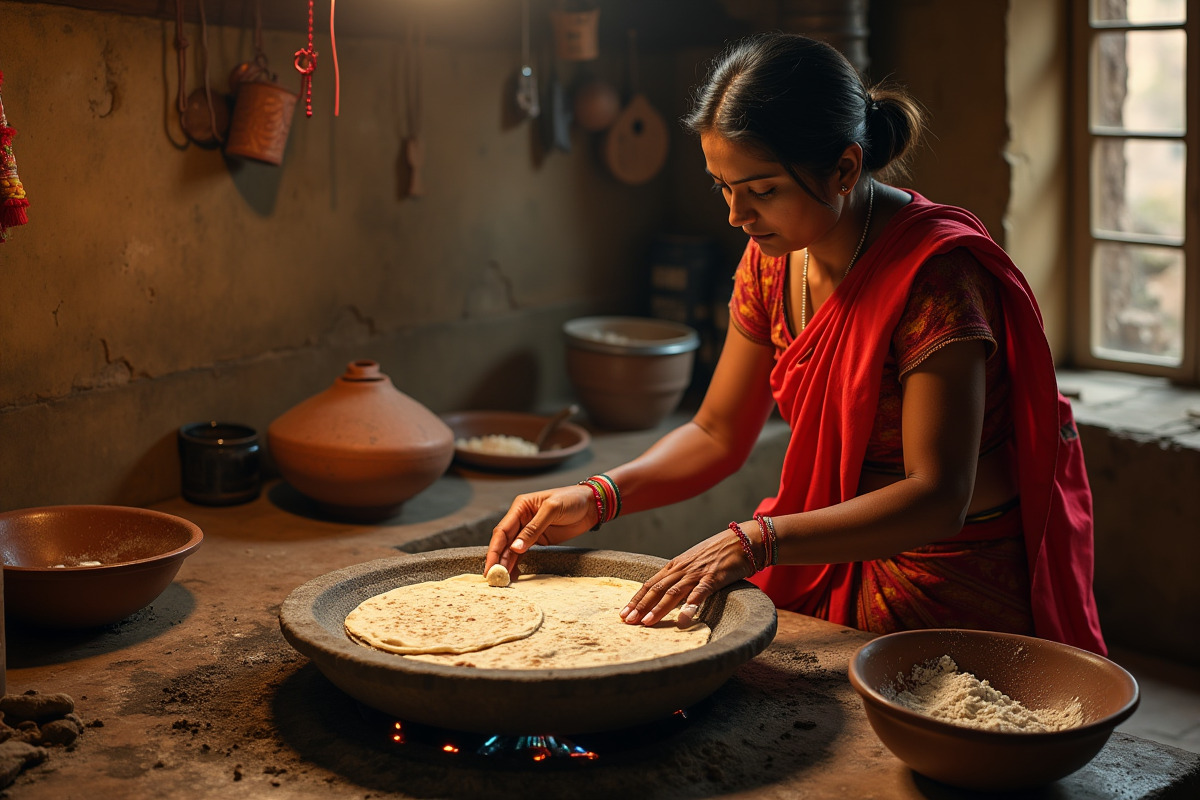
[{"x": 551, "y": 701}]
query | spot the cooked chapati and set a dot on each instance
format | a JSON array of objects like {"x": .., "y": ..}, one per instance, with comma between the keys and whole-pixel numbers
[
  {"x": 443, "y": 617},
  {"x": 581, "y": 627}
]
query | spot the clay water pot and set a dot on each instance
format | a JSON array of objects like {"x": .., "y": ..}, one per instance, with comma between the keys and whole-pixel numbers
[{"x": 361, "y": 447}]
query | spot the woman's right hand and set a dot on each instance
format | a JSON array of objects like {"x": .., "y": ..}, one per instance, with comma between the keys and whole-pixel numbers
[{"x": 547, "y": 517}]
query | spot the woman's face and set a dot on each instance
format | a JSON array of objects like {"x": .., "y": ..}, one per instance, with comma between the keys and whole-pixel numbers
[{"x": 764, "y": 200}]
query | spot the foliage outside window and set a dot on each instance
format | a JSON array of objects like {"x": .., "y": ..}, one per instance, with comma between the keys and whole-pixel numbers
[{"x": 1136, "y": 234}]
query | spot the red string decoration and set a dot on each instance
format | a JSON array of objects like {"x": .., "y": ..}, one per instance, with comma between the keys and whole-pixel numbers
[
  {"x": 12, "y": 194},
  {"x": 305, "y": 62},
  {"x": 337, "y": 77}
]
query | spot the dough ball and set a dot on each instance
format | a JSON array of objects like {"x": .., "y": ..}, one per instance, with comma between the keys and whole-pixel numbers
[{"x": 498, "y": 576}]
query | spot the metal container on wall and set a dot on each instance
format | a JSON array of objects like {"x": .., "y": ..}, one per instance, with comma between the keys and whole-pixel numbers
[{"x": 262, "y": 120}]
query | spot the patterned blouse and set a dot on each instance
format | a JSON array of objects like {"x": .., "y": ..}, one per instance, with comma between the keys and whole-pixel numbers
[{"x": 953, "y": 299}]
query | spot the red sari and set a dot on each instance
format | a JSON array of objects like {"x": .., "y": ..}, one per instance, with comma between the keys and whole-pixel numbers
[{"x": 827, "y": 384}]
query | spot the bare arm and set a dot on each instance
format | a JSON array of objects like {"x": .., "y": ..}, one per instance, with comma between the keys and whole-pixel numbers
[
  {"x": 682, "y": 464},
  {"x": 942, "y": 421},
  {"x": 716, "y": 442}
]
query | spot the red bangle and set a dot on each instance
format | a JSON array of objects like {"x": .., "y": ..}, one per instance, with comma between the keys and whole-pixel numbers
[
  {"x": 745, "y": 540},
  {"x": 614, "y": 494},
  {"x": 599, "y": 503}
]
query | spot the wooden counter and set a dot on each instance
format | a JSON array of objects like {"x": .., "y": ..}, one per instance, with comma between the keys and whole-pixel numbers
[{"x": 199, "y": 696}]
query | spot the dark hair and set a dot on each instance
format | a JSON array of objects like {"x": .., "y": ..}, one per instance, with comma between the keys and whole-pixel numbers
[{"x": 798, "y": 101}]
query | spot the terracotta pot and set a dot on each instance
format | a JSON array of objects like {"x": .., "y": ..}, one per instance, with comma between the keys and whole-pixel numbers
[{"x": 362, "y": 447}]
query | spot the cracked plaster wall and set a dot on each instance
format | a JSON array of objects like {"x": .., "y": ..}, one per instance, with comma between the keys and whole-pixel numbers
[{"x": 159, "y": 283}]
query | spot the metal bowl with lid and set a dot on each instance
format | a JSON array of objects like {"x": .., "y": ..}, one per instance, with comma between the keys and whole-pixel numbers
[
  {"x": 541, "y": 701},
  {"x": 629, "y": 373}
]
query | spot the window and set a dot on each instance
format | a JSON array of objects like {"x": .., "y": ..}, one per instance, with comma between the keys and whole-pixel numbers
[{"x": 1136, "y": 263}]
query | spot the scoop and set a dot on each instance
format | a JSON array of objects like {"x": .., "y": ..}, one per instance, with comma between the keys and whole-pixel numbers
[{"x": 545, "y": 433}]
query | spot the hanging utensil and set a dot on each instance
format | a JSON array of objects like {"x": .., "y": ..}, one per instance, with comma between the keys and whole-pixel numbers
[
  {"x": 204, "y": 119},
  {"x": 635, "y": 146},
  {"x": 262, "y": 110},
  {"x": 557, "y": 120},
  {"x": 414, "y": 148},
  {"x": 257, "y": 70},
  {"x": 596, "y": 104},
  {"x": 527, "y": 92}
]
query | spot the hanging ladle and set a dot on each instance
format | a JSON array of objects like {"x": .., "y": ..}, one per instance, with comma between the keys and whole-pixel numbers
[
  {"x": 550, "y": 427},
  {"x": 527, "y": 91}
]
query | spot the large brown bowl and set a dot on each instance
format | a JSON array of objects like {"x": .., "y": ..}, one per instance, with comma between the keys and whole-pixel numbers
[
  {"x": 1035, "y": 672},
  {"x": 629, "y": 373},
  {"x": 546, "y": 701},
  {"x": 139, "y": 551}
]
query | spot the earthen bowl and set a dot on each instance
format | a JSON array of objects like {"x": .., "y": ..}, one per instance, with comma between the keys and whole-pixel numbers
[
  {"x": 629, "y": 373},
  {"x": 1035, "y": 672},
  {"x": 566, "y": 440},
  {"x": 562, "y": 701},
  {"x": 139, "y": 551}
]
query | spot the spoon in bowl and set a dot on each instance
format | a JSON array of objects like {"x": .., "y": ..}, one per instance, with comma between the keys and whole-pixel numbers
[{"x": 552, "y": 425}]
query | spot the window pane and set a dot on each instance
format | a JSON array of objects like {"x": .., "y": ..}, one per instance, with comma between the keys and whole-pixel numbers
[
  {"x": 1138, "y": 81},
  {"x": 1138, "y": 187},
  {"x": 1137, "y": 303},
  {"x": 1139, "y": 11}
]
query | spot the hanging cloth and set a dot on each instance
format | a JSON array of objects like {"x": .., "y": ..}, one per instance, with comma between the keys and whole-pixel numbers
[{"x": 13, "y": 201}]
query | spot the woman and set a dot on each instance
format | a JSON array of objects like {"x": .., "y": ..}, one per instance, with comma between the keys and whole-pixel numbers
[{"x": 934, "y": 477}]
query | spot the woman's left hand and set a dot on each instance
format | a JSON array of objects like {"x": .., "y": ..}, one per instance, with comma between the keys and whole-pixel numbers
[{"x": 690, "y": 579}]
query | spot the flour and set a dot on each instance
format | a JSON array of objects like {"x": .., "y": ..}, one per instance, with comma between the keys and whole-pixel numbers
[{"x": 937, "y": 689}]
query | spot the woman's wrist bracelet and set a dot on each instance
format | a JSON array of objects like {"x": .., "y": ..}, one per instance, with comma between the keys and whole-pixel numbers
[
  {"x": 745, "y": 540},
  {"x": 599, "y": 497},
  {"x": 616, "y": 492},
  {"x": 770, "y": 541},
  {"x": 607, "y": 496}
]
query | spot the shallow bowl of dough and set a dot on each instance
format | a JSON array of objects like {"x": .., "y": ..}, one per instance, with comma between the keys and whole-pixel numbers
[
  {"x": 528, "y": 701},
  {"x": 1037, "y": 673},
  {"x": 83, "y": 566}
]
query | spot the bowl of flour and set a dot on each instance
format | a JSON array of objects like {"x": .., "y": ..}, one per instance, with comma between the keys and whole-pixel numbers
[{"x": 990, "y": 711}]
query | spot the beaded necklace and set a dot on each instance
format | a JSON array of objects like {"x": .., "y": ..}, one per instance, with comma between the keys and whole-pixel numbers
[{"x": 862, "y": 239}]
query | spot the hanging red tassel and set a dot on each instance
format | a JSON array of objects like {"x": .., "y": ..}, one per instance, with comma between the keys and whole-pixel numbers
[{"x": 12, "y": 194}]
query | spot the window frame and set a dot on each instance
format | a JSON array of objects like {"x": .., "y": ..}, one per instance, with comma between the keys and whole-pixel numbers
[{"x": 1083, "y": 239}]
